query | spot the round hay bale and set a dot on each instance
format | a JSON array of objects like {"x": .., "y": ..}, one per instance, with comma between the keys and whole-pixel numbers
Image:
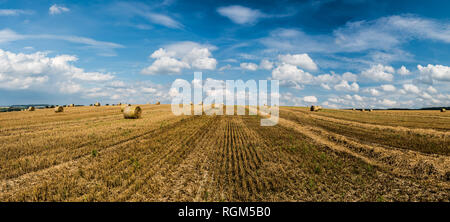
[
  {"x": 59, "y": 109},
  {"x": 314, "y": 108},
  {"x": 31, "y": 108},
  {"x": 363, "y": 110},
  {"x": 97, "y": 104},
  {"x": 353, "y": 109},
  {"x": 443, "y": 110},
  {"x": 72, "y": 105},
  {"x": 157, "y": 103},
  {"x": 122, "y": 107},
  {"x": 370, "y": 110},
  {"x": 132, "y": 112}
]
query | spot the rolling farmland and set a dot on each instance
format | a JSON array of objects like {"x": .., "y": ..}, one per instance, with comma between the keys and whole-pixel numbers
[{"x": 94, "y": 154}]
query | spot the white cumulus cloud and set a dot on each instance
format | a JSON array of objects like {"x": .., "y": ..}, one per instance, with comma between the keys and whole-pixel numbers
[
  {"x": 41, "y": 72},
  {"x": 266, "y": 64},
  {"x": 240, "y": 14},
  {"x": 310, "y": 99},
  {"x": 411, "y": 88},
  {"x": 431, "y": 90},
  {"x": 57, "y": 9},
  {"x": 387, "y": 102},
  {"x": 165, "y": 65},
  {"x": 345, "y": 86},
  {"x": 249, "y": 66},
  {"x": 388, "y": 88},
  {"x": 301, "y": 60},
  {"x": 379, "y": 73},
  {"x": 403, "y": 71},
  {"x": 291, "y": 73},
  {"x": 432, "y": 73},
  {"x": 373, "y": 92},
  {"x": 172, "y": 59}
]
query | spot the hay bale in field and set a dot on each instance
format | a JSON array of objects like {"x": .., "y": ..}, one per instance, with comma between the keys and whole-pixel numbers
[
  {"x": 97, "y": 104},
  {"x": 370, "y": 110},
  {"x": 122, "y": 107},
  {"x": 31, "y": 108},
  {"x": 132, "y": 112},
  {"x": 157, "y": 103},
  {"x": 353, "y": 109},
  {"x": 315, "y": 108},
  {"x": 72, "y": 105},
  {"x": 59, "y": 109},
  {"x": 443, "y": 110},
  {"x": 363, "y": 110}
]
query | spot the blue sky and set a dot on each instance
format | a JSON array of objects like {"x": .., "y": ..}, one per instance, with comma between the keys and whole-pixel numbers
[{"x": 340, "y": 54}]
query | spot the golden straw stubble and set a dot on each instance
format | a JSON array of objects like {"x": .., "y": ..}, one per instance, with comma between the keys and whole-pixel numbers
[{"x": 132, "y": 112}]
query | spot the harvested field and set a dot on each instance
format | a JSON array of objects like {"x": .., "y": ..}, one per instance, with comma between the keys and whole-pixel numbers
[{"x": 94, "y": 154}]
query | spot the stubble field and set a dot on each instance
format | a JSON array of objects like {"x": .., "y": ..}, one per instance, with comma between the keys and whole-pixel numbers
[{"x": 93, "y": 154}]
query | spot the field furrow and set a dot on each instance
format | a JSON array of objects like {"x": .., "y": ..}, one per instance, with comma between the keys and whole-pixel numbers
[
  {"x": 417, "y": 140},
  {"x": 401, "y": 162}
]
